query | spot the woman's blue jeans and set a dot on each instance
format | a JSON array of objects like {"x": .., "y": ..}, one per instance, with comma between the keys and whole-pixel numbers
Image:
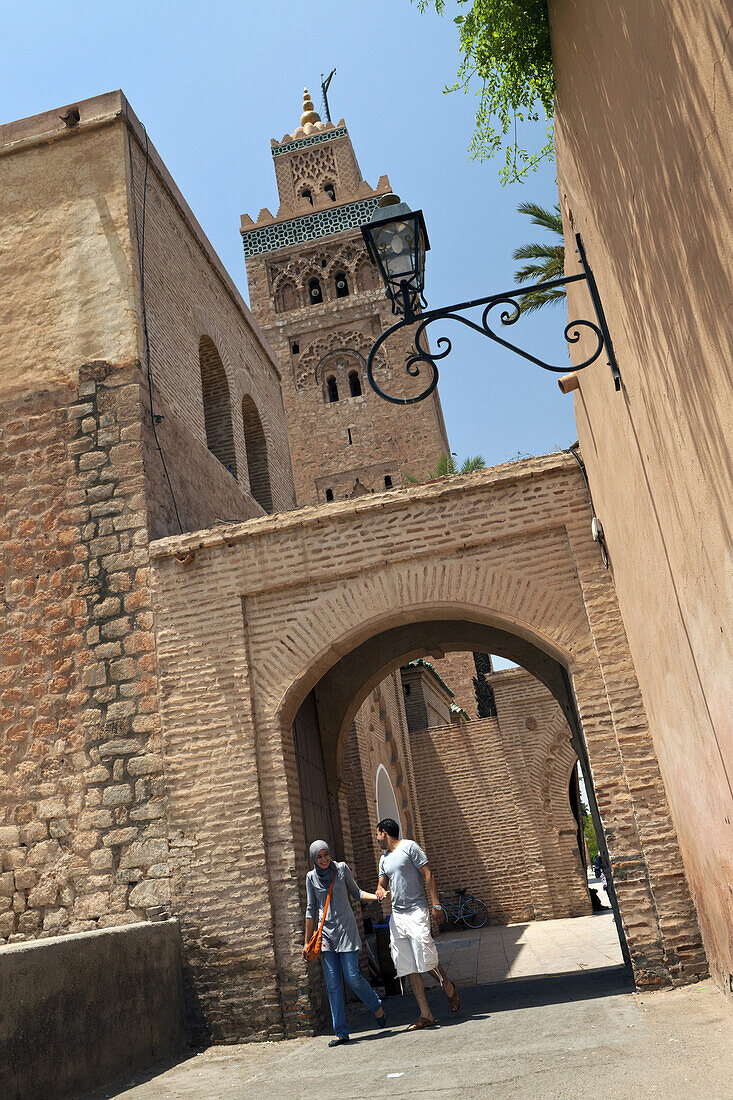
[{"x": 347, "y": 962}]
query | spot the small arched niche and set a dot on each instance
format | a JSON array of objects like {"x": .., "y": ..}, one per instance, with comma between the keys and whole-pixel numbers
[
  {"x": 217, "y": 409},
  {"x": 386, "y": 798},
  {"x": 257, "y": 463},
  {"x": 354, "y": 383}
]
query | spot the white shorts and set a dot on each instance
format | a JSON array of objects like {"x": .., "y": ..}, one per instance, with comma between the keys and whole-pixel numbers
[{"x": 411, "y": 943}]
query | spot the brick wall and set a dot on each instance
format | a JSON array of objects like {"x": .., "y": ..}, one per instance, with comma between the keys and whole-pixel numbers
[{"x": 323, "y": 606}]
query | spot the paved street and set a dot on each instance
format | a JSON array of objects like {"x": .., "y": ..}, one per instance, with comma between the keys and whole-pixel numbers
[
  {"x": 580, "y": 1035},
  {"x": 547, "y": 1012},
  {"x": 497, "y": 953}
]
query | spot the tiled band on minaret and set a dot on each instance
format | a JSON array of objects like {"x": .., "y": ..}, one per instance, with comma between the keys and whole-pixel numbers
[{"x": 317, "y": 296}]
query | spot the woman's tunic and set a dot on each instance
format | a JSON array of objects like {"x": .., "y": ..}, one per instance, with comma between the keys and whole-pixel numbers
[{"x": 340, "y": 932}]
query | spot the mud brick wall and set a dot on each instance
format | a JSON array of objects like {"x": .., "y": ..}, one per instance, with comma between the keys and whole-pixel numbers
[
  {"x": 82, "y": 830},
  {"x": 189, "y": 296}
]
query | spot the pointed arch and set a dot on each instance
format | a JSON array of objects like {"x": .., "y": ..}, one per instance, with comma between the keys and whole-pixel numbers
[
  {"x": 257, "y": 461},
  {"x": 217, "y": 408}
]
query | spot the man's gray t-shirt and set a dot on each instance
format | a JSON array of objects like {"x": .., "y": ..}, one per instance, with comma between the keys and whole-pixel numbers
[{"x": 402, "y": 868}]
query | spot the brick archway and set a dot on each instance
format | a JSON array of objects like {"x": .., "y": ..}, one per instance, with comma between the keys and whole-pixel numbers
[{"x": 333, "y": 597}]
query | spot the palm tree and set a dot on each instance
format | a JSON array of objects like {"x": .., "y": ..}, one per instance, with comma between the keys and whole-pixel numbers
[
  {"x": 447, "y": 467},
  {"x": 547, "y": 259}
]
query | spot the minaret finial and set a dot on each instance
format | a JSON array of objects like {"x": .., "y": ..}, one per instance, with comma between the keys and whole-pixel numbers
[{"x": 309, "y": 114}]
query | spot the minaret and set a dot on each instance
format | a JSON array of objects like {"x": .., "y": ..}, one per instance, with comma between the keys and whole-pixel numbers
[{"x": 317, "y": 296}]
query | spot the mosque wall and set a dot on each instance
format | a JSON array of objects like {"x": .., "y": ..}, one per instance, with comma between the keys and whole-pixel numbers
[{"x": 647, "y": 185}]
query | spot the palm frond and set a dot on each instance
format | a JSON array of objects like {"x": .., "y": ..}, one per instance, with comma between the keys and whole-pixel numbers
[
  {"x": 550, "y": 258},
  {"x": 532, "y": 302},
  {"x": 474, "y": 462},
  {"x": 541, "y": 216},
  {"x": 538, "y": 250}
]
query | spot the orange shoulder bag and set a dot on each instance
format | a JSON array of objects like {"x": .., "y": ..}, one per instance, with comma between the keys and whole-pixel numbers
[{"x": 313, "y": 947}]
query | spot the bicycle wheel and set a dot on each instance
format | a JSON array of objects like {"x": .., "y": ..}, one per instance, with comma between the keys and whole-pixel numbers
[{"x": 474, "y": 913}]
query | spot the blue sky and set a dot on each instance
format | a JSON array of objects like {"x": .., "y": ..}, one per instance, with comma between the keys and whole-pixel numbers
[{"x": 214, "y": 82}]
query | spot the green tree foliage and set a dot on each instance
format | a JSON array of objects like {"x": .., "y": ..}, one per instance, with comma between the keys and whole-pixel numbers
[
  {"x": 589, "y": 830},
  {"x": 505, "y": 49},
  {"x": 447, "y": 467},
  {"x": 546, "y": 259}
]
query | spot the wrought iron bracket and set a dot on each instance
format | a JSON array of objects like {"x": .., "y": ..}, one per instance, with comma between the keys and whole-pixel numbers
[{"x": 511, "y": 300}]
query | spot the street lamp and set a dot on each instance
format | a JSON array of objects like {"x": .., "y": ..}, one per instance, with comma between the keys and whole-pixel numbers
[{"x": 397, "y": 241}]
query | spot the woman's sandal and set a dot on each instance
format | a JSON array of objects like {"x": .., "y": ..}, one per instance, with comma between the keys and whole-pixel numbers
[
  {"x": 454, "y": 1000},
  {"x": 420, "y": 1023}
]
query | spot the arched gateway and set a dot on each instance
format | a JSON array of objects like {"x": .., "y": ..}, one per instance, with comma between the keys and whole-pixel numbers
[{"x": 253, "y": 618}]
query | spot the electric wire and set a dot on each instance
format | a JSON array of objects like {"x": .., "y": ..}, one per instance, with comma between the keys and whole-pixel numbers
[
  {"x": 140, "y": 239},
  {"x": 601, "y": 541}
]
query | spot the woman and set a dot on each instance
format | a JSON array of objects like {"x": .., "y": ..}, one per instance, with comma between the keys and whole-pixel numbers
[{"x": 341, "y": 943}]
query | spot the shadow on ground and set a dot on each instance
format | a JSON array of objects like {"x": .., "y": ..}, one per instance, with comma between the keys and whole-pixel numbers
[{"x": 478, "y": 1002}]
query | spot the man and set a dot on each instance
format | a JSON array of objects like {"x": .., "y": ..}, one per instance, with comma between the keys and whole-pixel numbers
[{"x": 404, "y": 871}]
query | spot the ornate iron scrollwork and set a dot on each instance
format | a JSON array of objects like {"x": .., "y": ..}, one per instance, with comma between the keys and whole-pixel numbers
[{"x": 509, "y": 315}]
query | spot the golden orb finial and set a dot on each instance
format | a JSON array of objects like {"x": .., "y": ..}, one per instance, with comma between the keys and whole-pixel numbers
[{"x": 309, "y": 114}]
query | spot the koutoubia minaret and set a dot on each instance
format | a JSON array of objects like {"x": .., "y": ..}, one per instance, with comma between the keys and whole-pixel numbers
[{"x": 317, "y": 296}]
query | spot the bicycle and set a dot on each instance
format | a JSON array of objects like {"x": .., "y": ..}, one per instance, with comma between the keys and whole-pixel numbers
[{"x": 469, "y": 909}]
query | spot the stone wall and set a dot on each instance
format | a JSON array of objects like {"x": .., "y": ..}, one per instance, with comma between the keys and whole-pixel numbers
[
  {"x": 643, "y": 124},
  {"x": 128, "y": 982},
  {"x": 83, "y": 840}
]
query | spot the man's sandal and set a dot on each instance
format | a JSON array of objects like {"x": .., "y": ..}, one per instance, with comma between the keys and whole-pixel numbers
[{"x": 420, "y": 1023}]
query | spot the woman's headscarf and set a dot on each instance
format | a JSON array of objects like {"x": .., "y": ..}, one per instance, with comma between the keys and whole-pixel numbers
[{"x": 324, "y": 877}]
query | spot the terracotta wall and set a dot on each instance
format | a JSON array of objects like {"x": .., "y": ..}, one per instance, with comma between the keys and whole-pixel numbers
[{"x": 644, "y": 124}]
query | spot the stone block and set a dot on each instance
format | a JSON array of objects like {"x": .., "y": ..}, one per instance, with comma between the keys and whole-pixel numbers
[
  {"x": 121, "y": 747},
  {"x": 51, "y": 807},
  {"x": 91, "y": 905},
  {"x": 25, "y": 878},
  {"x": 7, "y": 884},
  {"x": 144, "y": 765},
  {"x": 55, "y": 919},
  {"x": 44, "y": 894},
  {"x": 150, "y": 892},
  {"x": 29, "y": 922},
  {"x": 9, "y": 836},
  {"x": 143, "y": 853},
  {"x": 98, "y": 774},
  {"x": 148, "y": 811},
  {"x": 33, "y": 832},
  {"x": 117, "y": 796},
  {"x": 101, "y": 859},
  {"x": 7, "y": 924},
  {"x": 120, "y": 836},
  {"x": 14, "y": 858},
  {"x": 44, "y": 852}
]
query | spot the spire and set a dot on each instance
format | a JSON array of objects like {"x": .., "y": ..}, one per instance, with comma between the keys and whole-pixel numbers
[{"x": 309, "y": 114}]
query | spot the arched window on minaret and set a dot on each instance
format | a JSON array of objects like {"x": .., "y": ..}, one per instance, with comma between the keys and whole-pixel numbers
[
  {"x": 366, "y": 276},
  {"x": 342, "y": 286},
  {"x": 286, "y": 297},
  {"x": 330, "y": 191},
  {"x": 354, "y": 383},
  {"x": 332, "y": 389},
  {"x": 315, "y": 293},
  {"x": 307, "y": 194}
]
